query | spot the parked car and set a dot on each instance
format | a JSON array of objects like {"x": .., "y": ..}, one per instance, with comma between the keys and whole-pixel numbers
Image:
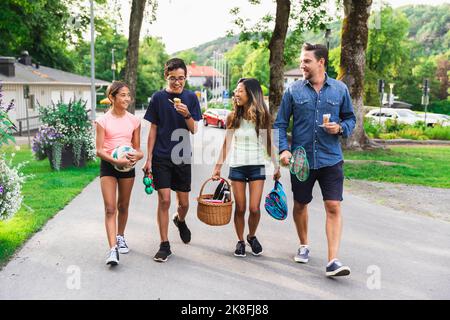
[
  {"x": 400, "y": 115},
  {"x": 436, "y": 118},
  {"x": 216, "y": 117}
]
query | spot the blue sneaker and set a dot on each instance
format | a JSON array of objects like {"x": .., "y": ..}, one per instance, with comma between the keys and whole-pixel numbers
[
  {"x": 302, "y": 255},
  {"x": 336, "y": 269}
]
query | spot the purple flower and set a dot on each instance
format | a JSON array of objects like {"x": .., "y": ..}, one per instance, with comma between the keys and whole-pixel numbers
[
  {"x": 10, "y": 106},
  {"x": 1, "y": 189}
]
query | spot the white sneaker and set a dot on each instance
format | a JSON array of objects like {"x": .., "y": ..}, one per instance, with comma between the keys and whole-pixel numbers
[
  {"x": 113, "y": 257},
  {"x": 302, "y": 255},
  {"x": 122, "y": 244}
]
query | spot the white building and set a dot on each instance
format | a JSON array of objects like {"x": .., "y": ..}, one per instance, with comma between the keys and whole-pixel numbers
[
  {"x": 291, "y": 76},
  {"x": 46, "y": 84},
  {"x": 204, "y": 76}
]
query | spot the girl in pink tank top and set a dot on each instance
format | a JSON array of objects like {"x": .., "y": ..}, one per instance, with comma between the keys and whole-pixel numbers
[{"x": 117, "y": 127}]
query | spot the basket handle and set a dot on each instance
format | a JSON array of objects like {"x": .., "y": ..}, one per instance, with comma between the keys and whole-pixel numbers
[{"x": 204, "y": 183}]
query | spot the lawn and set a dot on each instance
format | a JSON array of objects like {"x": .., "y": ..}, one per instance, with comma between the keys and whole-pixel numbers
[
  {"x": 46, "y": 193},
  {"x": 421, "y": 165}
]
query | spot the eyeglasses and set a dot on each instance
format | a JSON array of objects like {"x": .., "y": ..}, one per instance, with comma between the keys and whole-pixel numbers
[{"x": 179, "y": 79}]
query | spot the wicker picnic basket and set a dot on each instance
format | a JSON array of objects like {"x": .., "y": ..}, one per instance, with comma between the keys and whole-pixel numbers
[{"x": 213, "y": 214}]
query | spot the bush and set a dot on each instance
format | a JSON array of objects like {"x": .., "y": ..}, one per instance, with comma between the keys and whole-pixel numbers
[
  {"x": 393, "y": 130},
  {"x": 6, "y": 125},
  {"x": 11, "y": 181},
  {"x": 44, "y": 139},
  {"x": 438, "y": 132},
  {"x": 388, "y": 136},
  {"x": 371, "y": 128},
  {"x": 65, "y": 126},
  {"x": 393, "y": 126},
  {"x": 441, "y": 106},
  {"x": 412, "y": 133}
]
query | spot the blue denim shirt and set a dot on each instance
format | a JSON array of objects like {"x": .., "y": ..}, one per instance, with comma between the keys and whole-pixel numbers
[{"x": 307, "y": 106}]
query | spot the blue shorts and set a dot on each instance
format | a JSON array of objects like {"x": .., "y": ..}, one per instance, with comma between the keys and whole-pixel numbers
[
  {"x": 247, "y": 173},
  {"x": 331, "y": 181}
]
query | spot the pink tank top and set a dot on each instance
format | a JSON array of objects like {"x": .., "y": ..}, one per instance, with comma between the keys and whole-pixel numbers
[{"x": 118, "y": 131}]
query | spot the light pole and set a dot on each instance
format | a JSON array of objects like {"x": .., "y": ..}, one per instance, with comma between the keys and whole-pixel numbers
[
  {"x": 327, "y": 38},
  {"x": 93, "y": 93},
  {"x": 113, "y": 65}
]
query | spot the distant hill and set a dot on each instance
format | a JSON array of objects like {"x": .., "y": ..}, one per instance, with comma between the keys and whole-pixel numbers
[
  {"x": 205, "y": 51},
  {"x": 429, "y": 26}
]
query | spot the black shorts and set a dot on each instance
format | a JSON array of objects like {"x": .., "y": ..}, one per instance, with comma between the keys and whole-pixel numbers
[
  {"x": 107, "y": 169},
  {"x": 331, "y": 181},
  {"x": 166, "y": 174}
]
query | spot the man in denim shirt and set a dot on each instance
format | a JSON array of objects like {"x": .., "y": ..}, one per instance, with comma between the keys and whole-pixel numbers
[{"x": 307, "y": 101}]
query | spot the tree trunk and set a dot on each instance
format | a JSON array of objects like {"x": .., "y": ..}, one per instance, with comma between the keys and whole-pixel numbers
[
  {"x": 276, "y": 60},
  {"x": 136, "y": 17},
  {"x": 354, "y": 40}
]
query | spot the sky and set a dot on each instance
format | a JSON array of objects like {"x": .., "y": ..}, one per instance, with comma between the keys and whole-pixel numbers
[{"x": 183, "y": 24}]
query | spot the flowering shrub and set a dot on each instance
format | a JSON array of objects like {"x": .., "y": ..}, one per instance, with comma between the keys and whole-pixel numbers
[
  {"x": 11, "y": 181},
  {"x": 65, "y": 126},
  {"x": 43, "y": 140},
  {"x": 6, "y": 125}
]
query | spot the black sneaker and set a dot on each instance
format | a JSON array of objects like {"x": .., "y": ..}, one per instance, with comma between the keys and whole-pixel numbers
[
  {"x": 163, "y": 253},
  {"x": 256, "y": 246},
  {"x": 185, "y": 233},
  {"x": 240, "y": 249}
]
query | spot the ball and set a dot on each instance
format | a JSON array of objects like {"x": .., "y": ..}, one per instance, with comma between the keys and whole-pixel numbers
[{"x": 121, "y": 152}]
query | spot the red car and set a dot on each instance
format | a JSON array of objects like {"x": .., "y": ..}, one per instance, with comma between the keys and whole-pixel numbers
[{"x": 216, "y": 117}]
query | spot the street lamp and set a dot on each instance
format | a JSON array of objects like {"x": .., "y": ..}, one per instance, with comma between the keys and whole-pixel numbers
[
  {"x": 93, "y": 92},
  {"x": 327, "y": 38}
]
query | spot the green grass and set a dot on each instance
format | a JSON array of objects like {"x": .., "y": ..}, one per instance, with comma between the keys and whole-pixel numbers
[
  {"x": 424, "y": 165},
  {"x": 46, "y": 193}
]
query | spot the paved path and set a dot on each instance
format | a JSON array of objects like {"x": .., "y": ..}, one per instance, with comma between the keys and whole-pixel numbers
[{"x": 393, "y": 254}]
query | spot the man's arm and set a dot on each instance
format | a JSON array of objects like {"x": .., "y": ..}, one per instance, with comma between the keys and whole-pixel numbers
[{"x": 347, "y": 115}]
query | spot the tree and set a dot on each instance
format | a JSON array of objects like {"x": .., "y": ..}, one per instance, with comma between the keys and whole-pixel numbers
[
  {"x": 42, "y": 27},
  {"x": 301, "y": 15},
  {"x": 137, "y": 15},
  {"x": 257, "y": 66},
  {"x": 106, "y": 40},
  {"x": 152, "y": 56},
  {"x": 188, "y": 56},
  {"x": 236, "y": 58},
  {"x": 353, "y": 59}
]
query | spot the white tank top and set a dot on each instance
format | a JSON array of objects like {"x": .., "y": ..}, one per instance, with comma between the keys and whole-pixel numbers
[{"x": 248, "y": 148}]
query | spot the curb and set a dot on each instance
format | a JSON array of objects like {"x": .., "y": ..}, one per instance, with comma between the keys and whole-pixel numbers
[{"x": 409, "y": 141}]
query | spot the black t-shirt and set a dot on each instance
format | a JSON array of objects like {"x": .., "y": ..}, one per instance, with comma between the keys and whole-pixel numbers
[{"x": 172, "y": 133}]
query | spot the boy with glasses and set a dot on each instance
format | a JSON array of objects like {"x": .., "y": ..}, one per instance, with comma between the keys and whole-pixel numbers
[{"x": 173, "y": 113}]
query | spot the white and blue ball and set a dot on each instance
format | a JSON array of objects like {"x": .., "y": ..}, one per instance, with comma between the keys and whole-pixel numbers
[{"x": 121, "y": 152}]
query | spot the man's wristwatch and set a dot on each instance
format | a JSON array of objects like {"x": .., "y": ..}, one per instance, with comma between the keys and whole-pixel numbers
[
  {"x": 188, "y": 116},
  {"x": 341, "y": 130}
]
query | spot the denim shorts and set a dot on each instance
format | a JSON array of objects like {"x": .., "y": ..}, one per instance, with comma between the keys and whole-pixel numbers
[{"x": 247, "y": 173}]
